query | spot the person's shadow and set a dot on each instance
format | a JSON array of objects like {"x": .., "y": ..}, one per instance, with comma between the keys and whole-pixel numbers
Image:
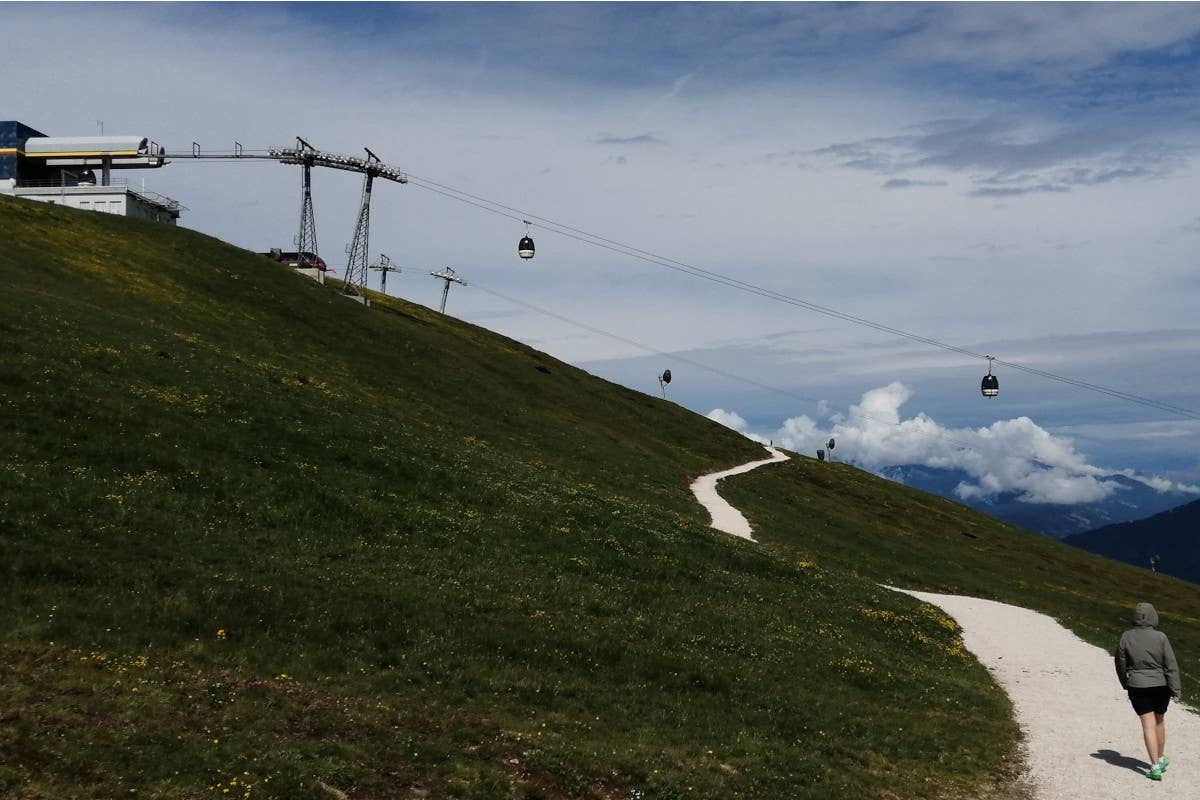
[{"x": 1118, "y": 760}]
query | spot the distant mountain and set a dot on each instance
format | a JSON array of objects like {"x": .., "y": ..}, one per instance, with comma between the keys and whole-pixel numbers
[
  {"x": 1171, "y": 535},
  {"x": 1134, "y": 501}
]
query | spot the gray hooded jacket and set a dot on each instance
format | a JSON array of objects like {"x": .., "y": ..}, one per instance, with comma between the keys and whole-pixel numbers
[{"x": 1144, "y": 657}]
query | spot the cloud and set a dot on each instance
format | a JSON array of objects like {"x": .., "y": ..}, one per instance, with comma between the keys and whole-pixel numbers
[
  {"x": 642, "y": 138},
  {"x": 1007, "y": 156},
  {"x": 905, "y": 183},
  {"x": 1078, "y": 36},
  {"x": 677, "y": 86},
  {"x": 734, "y": 421},
  {"x": 1009, "y": 456},
  {"x": 1016, "y": 191}
]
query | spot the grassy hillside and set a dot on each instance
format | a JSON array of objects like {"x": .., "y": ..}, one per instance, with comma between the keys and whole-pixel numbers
[
  {"x": 848, "y": 520},
  {"x": 258, "y": 541}
]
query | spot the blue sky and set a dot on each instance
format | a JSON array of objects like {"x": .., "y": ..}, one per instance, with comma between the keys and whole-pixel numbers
[{"x": 1016, "y": 179}]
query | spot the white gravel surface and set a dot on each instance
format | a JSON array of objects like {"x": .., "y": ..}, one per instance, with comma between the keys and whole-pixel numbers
[
  {"x": 1083, "y": 741},
  {"x": 725, "y": 517}
]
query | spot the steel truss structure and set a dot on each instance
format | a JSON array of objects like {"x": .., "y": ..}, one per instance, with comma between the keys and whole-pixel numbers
[{"x": 306, "y": 156}]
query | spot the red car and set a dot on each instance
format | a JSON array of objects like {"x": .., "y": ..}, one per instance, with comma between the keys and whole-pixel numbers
[{"x": 296, "y": 260}]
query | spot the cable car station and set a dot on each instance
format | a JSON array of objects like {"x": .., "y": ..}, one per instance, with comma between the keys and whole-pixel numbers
[{"x": 77, "y": 171}]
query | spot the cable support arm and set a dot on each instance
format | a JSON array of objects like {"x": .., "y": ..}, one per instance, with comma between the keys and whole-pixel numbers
[
  {"x": 448, "y": 274},
  {"x": 320, "y": 158}
]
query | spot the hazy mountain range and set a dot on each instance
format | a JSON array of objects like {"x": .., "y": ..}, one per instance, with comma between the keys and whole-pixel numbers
[
  {"x": 1135, "y": 501},
  {"x": 1171, "y": 536}
]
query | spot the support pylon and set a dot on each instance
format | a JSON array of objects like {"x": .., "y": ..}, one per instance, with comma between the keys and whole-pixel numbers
[
  {"x": 449, "y": 276},
  {"x": 384, "y": 266},
  {"x": 306, "y": 240},
  {"x": 356, "y": 261}
]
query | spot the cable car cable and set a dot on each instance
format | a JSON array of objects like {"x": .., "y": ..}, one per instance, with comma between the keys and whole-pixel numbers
[
  {"x": 715, "y": 277},
  {"x": 734, "y": 377}
]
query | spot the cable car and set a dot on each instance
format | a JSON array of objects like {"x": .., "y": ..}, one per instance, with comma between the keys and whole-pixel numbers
[
  {"x": 990, "y": 387},
  {"x": 525, "y": 246}
]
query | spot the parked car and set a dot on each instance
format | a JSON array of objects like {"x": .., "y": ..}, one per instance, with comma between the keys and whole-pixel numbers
[{"x": 297, "y": 260}]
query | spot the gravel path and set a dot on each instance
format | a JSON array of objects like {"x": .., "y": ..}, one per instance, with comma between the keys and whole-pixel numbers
[
  {"x": 1082, "y": 739},
  {"x": 725, "y": 517}
]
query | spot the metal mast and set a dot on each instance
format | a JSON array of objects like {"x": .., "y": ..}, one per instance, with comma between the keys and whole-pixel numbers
[
  {"x": 306, "y": 241},
  {"x": 384, "y": 266},
  {"x": 356, "y": 262},
  {"x": 448, "y": 275}
]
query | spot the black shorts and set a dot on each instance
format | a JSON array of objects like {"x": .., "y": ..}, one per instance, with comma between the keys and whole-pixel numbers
[{"x": 1152, "y": 698}]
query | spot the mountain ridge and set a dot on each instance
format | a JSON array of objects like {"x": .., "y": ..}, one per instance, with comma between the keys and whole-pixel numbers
[{"x": 1167, "y": 539}]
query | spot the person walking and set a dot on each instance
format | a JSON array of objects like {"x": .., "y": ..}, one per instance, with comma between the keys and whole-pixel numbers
[{"x": 1147, "y": 669}]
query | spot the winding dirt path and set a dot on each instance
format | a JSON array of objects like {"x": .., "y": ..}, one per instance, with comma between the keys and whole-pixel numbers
[
  {"x": 1082, "y": 740},
  {"x": 725, "y": 517}
]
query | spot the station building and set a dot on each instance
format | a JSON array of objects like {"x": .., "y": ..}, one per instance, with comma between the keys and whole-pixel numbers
[{"x": 77, "y": 171}]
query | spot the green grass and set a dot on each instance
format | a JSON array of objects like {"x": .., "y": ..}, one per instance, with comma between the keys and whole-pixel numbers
[
  {"x": 898, "y": 536},
  {"x": 253, "y": 532}
]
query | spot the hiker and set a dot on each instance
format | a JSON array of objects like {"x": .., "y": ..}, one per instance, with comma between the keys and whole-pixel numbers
[{"x": 1147, "y": 669}]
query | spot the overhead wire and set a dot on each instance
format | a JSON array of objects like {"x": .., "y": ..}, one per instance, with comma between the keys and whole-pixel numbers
[
  {"x": 771, "y": 294},
  {"x": 656, "y": 259},
  {"x": 725, "y": 374}
]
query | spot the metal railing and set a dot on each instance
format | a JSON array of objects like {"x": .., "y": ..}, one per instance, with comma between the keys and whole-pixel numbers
[{"x": 117, "y": 183}]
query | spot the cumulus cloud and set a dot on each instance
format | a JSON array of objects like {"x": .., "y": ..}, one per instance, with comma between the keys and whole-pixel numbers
[
  {"x": 734, "y": 421},
  {"x": 1007, "y": 156},
  {"x": 1009, "y": 456}
]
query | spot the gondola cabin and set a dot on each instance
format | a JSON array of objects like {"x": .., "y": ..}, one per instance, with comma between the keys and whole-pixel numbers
[{"x": 525, "y": 247}]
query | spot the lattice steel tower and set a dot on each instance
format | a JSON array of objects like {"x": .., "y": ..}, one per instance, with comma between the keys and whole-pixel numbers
[
  {"x": 306, "y": 240},
  {"x": 356, "y": 262}
]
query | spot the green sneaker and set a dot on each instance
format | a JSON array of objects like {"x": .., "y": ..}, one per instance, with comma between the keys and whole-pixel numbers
[
  {"x": 1155, "y": 773},
  {"x": 1163, "y": 763}
]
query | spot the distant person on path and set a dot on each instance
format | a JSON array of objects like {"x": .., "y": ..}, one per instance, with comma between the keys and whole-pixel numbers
[{"x": 1147, "y": 669}]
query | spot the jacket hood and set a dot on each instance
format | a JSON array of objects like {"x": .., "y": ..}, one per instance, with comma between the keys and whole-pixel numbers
[{"x": 1144, "y": 616}]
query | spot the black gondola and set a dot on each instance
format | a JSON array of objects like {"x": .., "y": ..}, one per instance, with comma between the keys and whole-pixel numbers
[
  {"x": 525, "y": 246},
  {"x": 990, "y": 387}
]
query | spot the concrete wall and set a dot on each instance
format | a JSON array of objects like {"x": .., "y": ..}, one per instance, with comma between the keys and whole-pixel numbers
[{"x": 104, "y": 199}]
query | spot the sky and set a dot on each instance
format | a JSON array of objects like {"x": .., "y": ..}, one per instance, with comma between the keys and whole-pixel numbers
[{"x": 1012, "y": 179}]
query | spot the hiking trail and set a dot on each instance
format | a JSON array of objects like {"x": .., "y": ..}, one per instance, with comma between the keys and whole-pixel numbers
[
  {"x": 1082, "y": 740},
  {"x": 725, "y": 517}
]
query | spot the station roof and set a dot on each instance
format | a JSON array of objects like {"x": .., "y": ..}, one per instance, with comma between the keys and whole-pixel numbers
[{"x": 80, "y": 146}]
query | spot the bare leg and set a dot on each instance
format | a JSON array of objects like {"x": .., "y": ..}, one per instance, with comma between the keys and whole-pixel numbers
[
  {"x": 1150, "y": 734},
  {"x": 1160, "y": 725}
]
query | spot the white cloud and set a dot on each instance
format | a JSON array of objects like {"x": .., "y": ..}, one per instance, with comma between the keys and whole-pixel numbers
[
  {"x": 1010, "y": 157},
  {"x": 1077, "y": 35},
  {"x": 1008, "y": 456},
  {"x": 734, "y": 421}
]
